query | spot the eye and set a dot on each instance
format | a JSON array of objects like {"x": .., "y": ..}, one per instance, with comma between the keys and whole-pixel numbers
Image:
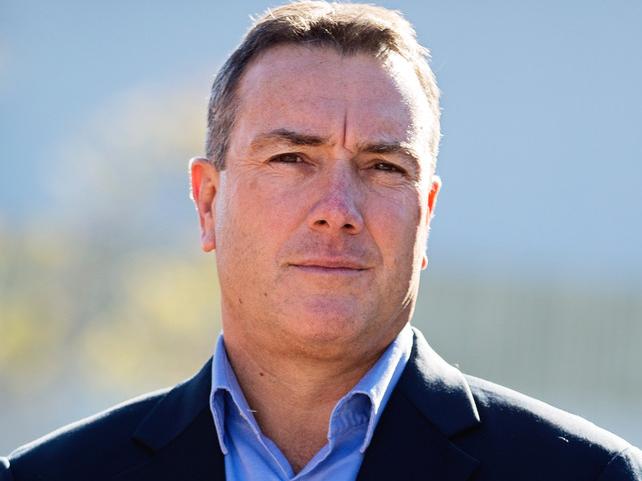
[
  {"x": 289, "y": 158},
  {"x": 388, "y": 167}
]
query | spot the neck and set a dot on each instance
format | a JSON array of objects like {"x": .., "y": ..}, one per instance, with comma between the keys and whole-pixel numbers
[
  {"x": 293, "y": 396},
  {"x": 304, "y": 382}
]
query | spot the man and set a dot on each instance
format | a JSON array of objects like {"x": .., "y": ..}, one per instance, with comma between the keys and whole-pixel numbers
[{"x": 317, "y": 193}]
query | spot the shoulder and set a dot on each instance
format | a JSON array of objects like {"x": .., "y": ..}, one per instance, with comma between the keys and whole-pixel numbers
[
  {"x": 101, "y": 445},
  {"x": 515, "y": 412},
  {"x": 524, "y": 428},
  {"x": 121, "y": 439},
  {"x": 511, "y": 435}
]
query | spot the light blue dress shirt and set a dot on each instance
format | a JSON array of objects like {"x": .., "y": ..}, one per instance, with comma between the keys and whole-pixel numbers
[{"x": 250, "y": 455}]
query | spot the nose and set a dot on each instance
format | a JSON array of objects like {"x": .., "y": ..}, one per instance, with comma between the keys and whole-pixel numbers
[{"x": 337, "y": 208}]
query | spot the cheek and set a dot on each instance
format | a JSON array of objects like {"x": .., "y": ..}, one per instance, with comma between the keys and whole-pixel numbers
[
  {"x": 395, "y": 226},
  {"x": 234, "y": 226},
  {"x": 253, "y": 215}
]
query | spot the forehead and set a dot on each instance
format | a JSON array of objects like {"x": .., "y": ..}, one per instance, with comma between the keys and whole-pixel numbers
[{"x": 349, "y": 98}]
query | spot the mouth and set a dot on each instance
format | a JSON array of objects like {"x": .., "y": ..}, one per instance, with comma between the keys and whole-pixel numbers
[
  {"x": 314, "y": 269},
  {"x": 330, "y": 267}
]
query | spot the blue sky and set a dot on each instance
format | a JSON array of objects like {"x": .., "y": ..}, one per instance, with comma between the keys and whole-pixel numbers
[{"x": 542, "y": 151}]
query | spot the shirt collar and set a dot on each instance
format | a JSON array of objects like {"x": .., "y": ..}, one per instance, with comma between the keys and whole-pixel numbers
[
  {"x": 379, "y": 382},
  {"x": 375, "y": 388},
  {"x": 225, "y": 383}
]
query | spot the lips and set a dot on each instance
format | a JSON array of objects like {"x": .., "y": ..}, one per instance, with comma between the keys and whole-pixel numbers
[
  {"x": 339, "y": 264},
  {"x": 330, "y": 266}
]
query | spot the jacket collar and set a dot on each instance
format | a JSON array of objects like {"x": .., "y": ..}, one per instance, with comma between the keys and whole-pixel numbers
[
  {"x": 174, "y": 413},
  {"x": 438, "y": 390},
  {"x": 431, "y": 403},
  {"x": 179, "y": 436}
]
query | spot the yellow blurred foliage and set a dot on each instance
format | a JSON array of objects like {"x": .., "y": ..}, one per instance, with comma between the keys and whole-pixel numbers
[
  {"x": 164, "y": 325},
  {"x": 109, "y": 292},
  {"x": 34, "y": 312}
]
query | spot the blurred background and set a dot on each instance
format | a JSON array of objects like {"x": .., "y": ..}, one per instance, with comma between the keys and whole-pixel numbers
[{"x": 535, "y": 274}]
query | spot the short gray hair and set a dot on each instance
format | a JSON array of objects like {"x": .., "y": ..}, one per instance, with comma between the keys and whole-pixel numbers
[{"x": 350, "y": 28}]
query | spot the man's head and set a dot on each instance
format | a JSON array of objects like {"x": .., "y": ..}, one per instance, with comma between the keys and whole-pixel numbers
[
  {"x": 344, "y": 27},
  {"x": 321, "y": 213}
]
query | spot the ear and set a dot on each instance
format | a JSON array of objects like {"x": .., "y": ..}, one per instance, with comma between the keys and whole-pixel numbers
[
  {"x": 432, "y": 203},
  {"x": 204, "y": 180}
]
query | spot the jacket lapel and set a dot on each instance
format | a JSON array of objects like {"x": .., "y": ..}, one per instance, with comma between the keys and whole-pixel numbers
[
  {"x": 179, "y": 436},
  {"x": 431, "y": 403}
]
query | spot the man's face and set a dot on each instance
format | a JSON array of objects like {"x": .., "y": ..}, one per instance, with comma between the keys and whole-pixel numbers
[{"x": 320, "y": 218}]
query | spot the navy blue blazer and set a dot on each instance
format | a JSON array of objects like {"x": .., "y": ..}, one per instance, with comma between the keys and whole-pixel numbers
[{"x": 439, "y": 425}]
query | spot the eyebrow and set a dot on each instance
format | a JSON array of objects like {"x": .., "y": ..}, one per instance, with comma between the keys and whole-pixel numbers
[{"x": 286, "y": 136}]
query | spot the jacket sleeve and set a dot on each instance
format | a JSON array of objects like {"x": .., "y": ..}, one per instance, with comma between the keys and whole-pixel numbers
[
  {"x": 5, "y": 473},
  {"x": 625, "y": 466}
]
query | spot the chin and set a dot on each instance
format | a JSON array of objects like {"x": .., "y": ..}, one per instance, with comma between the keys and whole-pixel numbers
[{"x": 328, "y": 322}]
